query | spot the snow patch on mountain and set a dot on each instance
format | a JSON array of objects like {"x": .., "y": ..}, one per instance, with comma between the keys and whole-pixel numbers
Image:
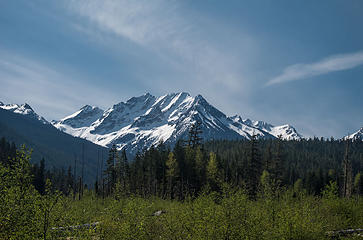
[
  {"x": 358, "y": 135},
  {"x": 145, "y": 121},
  {"x": 286, "y": 132},
  {"x": 264, "y": 129},
  {"x": 23, "y": 109},
  {"x": 82, "y": 118}
]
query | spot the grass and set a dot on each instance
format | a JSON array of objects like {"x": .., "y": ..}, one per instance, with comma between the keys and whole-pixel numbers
[{"x": 210, "y": 216}]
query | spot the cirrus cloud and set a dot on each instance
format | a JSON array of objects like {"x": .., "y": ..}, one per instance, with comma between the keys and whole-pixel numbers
[{"x": 333, "y": 63}]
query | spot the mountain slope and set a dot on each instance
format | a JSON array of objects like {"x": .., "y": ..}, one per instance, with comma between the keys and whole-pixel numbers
[
  {"x": 58, "y": 148},
  {"x": 146, "y": 120},
  {"x": 358, "y": 135},
  {"x": 23, "y": 109}
]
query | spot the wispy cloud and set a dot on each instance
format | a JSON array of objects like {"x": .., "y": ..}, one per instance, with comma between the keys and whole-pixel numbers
[
  {"x": 331, "y": 64},
  {"x": 54, "y": 92},
  {"x": 164, "y": 28},
  {"x": 140, "y": 21}
]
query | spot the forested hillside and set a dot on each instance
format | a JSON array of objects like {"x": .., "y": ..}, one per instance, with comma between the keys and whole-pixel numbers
[{"x": 59, "y": 150}]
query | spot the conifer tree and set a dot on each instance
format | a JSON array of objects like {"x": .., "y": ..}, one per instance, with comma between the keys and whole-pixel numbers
[
  {"x": 96, "y": 187},
  {"x": 126, "y": 169},
  {"x": 347, "y": 173},
  {"x": 358, "y": 184},
  {"x": 212, "y": 171},
  {"x": 277, "y": 168},
  {"x": 195, "y": 132},
  {"x": 179, "y": 153},
  {"x": 39, "y": 177},
  {"x": 267, "y": 158},
  {"x": 254, "y": 168},
  {"x": 122, "y": 170},
  {"x": 199, "y": 167},
  {"x": 172, "y": 173},
  {"x": 110, "y": 171},
  {"x": 189, "y": 170},
  {"x": 69, "y": 181}
]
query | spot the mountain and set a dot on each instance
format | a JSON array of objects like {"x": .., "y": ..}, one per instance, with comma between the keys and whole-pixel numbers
[
  {"x": 358, "y": 135},
  {"x": 144, "y": 121},
  {"x": 23, "y": 109},
  {"x": 20, "y": 124},
  {"x": 263, "y": 129}
]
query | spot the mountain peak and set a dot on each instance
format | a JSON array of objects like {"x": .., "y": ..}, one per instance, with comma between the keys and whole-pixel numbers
[
  {"x": 139, "y": 99},
  {"x": 358, "y": 135},
  {"x": 88, "y": 108},
  {"x": 184, "y": 93},
  {"x": 200, "y": 98},
  {"x": 23, "y": 109},
  {"x": 27, "y": 106},
  {"x": 144, "y": 121},
  {"x": 83, "y": 117},
  {"x": 237, "y": 118},
  {"x": 248, "y": 122}
]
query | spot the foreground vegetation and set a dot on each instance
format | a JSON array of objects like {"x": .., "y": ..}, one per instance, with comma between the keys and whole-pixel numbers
[
  {"x": 228, "y": 215},
  {"x": 223, "y": 216}
]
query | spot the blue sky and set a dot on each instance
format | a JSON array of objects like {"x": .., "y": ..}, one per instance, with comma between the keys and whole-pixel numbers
[{"x": 296, "y": 62}]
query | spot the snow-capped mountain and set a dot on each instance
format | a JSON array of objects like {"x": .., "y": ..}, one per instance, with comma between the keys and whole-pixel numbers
[
  {"x": 144, "y": 121},
  {"x": 260, "y": 128},
  {"x": 23, "y": 109},
  {"x": 358, "y": 135}
]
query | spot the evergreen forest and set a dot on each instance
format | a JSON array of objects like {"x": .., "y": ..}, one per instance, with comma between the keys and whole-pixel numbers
[{"x": 243, "y": 189}]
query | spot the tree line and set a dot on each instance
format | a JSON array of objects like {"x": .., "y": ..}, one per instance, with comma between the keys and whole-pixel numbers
[
  {"x": 192, "y": 167},
  {"x": 253, "y": 165}
]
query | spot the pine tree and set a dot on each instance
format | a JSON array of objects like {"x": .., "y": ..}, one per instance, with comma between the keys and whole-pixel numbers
[
  {"x": 39, "y": 177},
  {"x": 347, "y": 173},
  {"x": 199, "y": 167},
  {"x": 277, "y": 168},
  {"x": 172, "y": 173},
  {"x": 96, "y": 187},
  {"x": 179, "y": 153},
  {"x": 110, "y": 171},
  {"x": 212, "y": 172},
  {"x": 254, "y": 168},
  {"x": 195, "y": 132},
  {"x": 358, "y": 184},
  {"x": 126, "y": 169},
  {"x": 268, "y": 158},
  {"x": 122, "y": 170},
  {"x": 189, "y": 170}
]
